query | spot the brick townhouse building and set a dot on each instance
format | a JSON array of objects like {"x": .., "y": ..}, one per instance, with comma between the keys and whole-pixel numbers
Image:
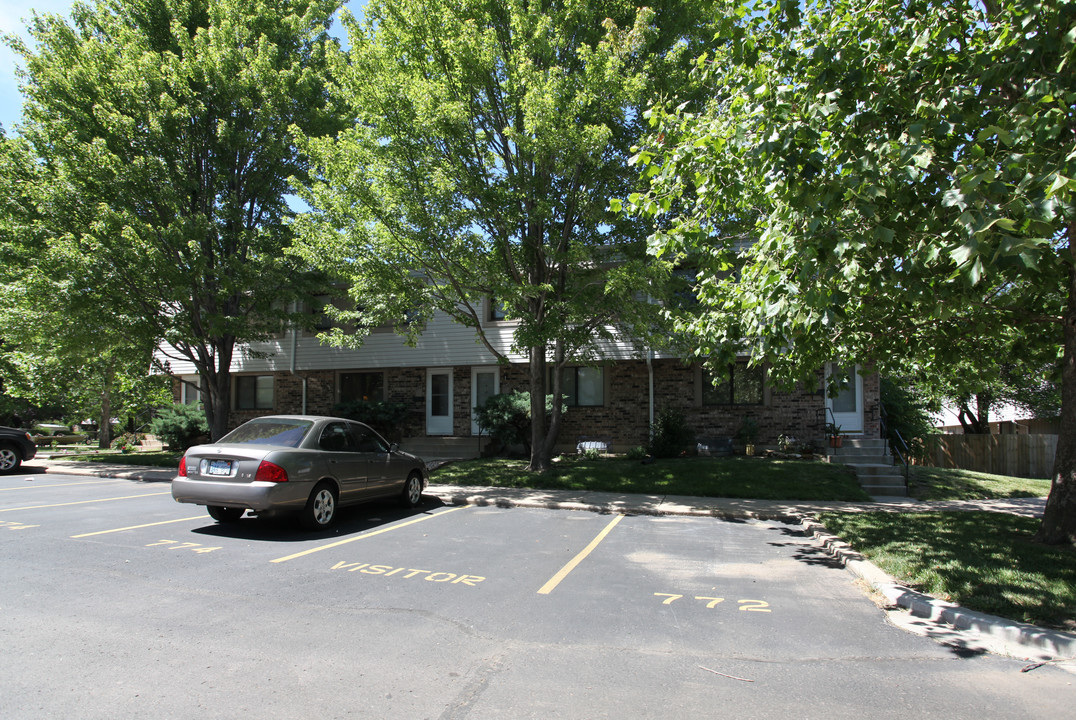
[{"x": 448, "y": 372}]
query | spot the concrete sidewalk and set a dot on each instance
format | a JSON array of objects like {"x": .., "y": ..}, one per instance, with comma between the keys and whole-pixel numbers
[{"x": 927, "y": 616}]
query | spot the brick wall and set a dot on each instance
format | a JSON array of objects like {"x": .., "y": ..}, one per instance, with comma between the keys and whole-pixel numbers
[{"x": 623, "y": 419}]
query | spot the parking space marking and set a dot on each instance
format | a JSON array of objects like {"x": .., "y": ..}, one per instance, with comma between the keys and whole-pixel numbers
[
  {"x": 428, "y": 575},
  {"x": 712, "y": 602},
  {"x": 84, "y": 502},
  {"x": 567, "y": 569},
  {"x": 137, "y": 527},
  {"x": 12, "y": 525},
  {"x": 363, "y": 536},
  {"x": 38, "y": 486}
]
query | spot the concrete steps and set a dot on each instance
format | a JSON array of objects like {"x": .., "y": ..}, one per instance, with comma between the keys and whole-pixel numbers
[{"x": 874, "y": 468}]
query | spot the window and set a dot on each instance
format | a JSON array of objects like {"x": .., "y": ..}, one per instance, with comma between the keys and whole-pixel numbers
[
  {"x": 254, "y": 392},
  {"x": 336, "y": 437},
  {"x": 584, "y": 386},
  {"x": 362, "y": 386},
  {"x": 368, "y": 440},
  {"x": 322, "y": 321},
  {"x": 190, "y": 395},
  {"x": 743, "y": 386},
  {"x": 495, "y": 310}
]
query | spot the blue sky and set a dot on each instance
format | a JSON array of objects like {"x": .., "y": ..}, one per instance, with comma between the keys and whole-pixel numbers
[{"x": 13, "y": 14}]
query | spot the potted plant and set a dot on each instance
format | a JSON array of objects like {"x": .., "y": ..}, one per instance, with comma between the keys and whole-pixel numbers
[
  {"x": 833, "y": 431},
  {"x": 748, "y": 434}
]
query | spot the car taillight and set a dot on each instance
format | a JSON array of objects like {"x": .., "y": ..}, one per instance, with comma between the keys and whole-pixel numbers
[
  {"x": 271, "y": 472},
  {"x": 183, "y": 466}
]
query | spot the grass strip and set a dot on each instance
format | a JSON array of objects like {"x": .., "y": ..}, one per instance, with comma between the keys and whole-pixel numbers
[
  {"x": 928, "y": 483},
  {"x": 980, "y": 560},
  {"x": 149, "y": 459},
  {"x": 732, "y": 477}
]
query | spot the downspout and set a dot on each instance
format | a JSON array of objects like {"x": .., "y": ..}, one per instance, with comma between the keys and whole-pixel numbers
[
  {"x": 650, "y": 374},
  {"x": 291, "y": 368}
]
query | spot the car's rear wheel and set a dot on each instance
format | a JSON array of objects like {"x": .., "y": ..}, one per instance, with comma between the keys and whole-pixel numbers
[
  {"x": 225, "y": 514},
  {"x": 412, "y": 491},
  {"x": 320, "y": 510},
  {"x": 9, "y": 458}
]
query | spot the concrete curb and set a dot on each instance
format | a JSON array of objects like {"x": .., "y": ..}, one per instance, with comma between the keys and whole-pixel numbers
[{"x": 990, "y": 632}]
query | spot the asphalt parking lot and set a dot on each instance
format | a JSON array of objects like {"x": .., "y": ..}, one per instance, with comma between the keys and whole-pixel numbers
[{"x": 116, "y": 601}]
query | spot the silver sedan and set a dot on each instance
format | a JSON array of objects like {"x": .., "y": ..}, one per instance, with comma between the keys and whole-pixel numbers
[{"x": 300, "y": 464}]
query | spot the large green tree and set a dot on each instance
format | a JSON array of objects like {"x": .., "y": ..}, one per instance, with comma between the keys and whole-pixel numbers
[
  {"x": 487, "y": 139},
  {"x": 164, "y": 133},
  {"x": 901, "y": 176},
  {"x": 62, "y": 349}
]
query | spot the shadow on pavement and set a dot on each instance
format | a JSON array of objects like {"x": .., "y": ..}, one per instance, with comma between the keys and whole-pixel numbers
[{"x": 349, "y": 521}]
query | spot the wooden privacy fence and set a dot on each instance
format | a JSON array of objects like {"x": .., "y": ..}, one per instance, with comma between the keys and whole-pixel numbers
[{"x": 1030, "y": 456}]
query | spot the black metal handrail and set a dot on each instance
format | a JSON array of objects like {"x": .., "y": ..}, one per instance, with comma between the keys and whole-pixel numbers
[{"x": 895, "y": 433}]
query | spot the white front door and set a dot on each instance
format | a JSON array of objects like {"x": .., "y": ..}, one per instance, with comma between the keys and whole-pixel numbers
[
  {"x": 485, "y": 383},
  {"x": 847, "y": 406},
  {"x": 439, "y": 401}
]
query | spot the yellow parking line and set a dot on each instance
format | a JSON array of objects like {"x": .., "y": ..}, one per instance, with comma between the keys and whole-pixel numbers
[
  {"x": 38, "y": 486},
  {"x": 366, "y": 535},
  {"x": 564, "y": 571},
  {"x": 84, "y": 502},
  {"x": 136, "y": 527}
]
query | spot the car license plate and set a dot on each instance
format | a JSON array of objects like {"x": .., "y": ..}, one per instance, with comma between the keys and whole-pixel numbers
[{"x": 220, "y": 467}]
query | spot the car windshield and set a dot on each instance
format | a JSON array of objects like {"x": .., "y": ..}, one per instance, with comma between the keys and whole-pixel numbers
[{"x": 269, "y": 432}]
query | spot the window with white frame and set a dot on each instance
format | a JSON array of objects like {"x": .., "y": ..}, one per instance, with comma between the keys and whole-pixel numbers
[
  {"x": 190, "y": 392},
  {"x": 254, "y": 392}
]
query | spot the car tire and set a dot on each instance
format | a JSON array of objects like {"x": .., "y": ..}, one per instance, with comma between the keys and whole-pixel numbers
[
  {"x": 411, "y": 495},
  {"x": 320, "y": 510},
  {"x": 10, "y": 459},
  {"x": 225, "y": 514}
]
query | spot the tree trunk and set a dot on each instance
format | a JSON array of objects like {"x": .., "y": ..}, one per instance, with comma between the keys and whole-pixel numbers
[
  {"x": 104, "y": 436},
  {"x": 540, "y": 453},
  {"x": 975, "y": 422},
  {"x": 1059, "y": 519},
  {"x": 217, "y": 386}
]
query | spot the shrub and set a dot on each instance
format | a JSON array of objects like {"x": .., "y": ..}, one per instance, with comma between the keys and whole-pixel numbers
[
  {"x": 387, "y": 418},
  {"x": 636, "y": 453},
  {"x": 787, "y": 443},
  {"x": 125, "y": 443},
  {"x": 180, "y": 426},
  {"x": 748, "y": 431},
  {"x": 671, "y": 434},
  {"x": 506, "y": 418}
]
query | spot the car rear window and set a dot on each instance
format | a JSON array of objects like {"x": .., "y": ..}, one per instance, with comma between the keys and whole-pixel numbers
[{"x": 288, "y": 433}]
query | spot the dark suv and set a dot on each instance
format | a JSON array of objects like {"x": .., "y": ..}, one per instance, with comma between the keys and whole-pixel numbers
[{"x": 16, "y": 446}]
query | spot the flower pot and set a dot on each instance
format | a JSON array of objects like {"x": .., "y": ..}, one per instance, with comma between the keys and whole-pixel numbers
[{"x": 835, "y": 441}]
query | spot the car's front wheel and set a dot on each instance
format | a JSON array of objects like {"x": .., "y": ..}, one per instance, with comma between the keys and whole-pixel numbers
[
  {"x": 225, "y": 514},
  {"x": 320, "y": 510},
  {"x": 9, "y": 458},
  {"x": 412, "y": 491}
]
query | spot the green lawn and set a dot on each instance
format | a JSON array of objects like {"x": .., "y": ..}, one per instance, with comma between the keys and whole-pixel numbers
[
  {"x": 983, "y": 561},
  {"x": 927, "y": 483},
  {"x": 156, "y": 458},
  {"x": 733, "y": 477}
]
